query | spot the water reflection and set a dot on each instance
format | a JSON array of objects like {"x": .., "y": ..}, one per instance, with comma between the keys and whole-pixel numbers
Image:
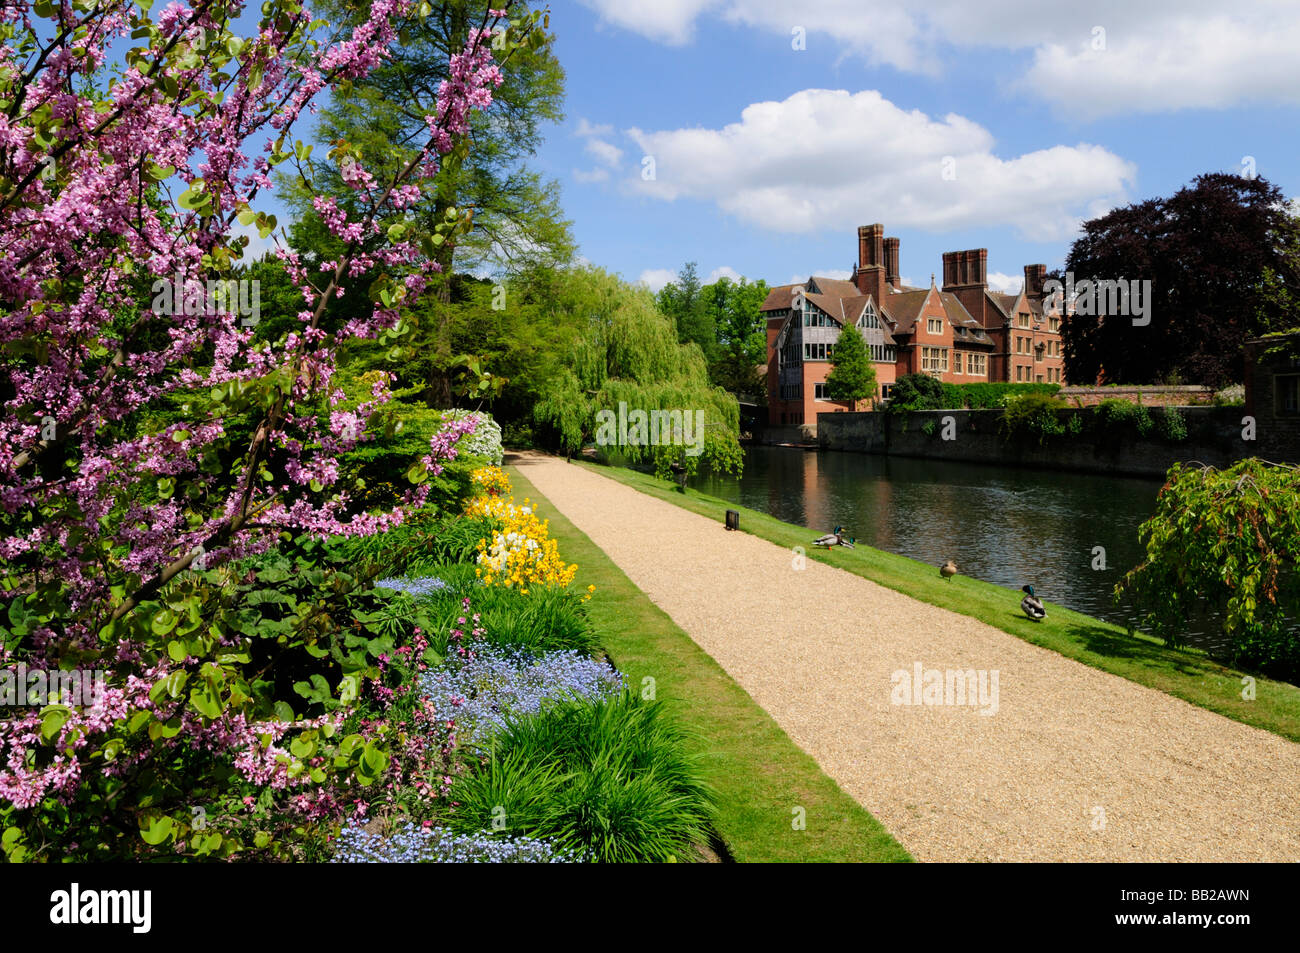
[{"x": 1005, "y": 526}]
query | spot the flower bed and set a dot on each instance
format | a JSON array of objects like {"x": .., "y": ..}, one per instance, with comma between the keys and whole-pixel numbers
[{"x": 502, "y": 684}]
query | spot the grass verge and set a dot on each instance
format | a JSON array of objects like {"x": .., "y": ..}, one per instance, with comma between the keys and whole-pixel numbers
[
  {"x": 758, "y": 775},
  {"x": 1185, "y": 673}
]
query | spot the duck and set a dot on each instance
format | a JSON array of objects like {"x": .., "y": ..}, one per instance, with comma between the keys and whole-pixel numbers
[
  {"x": 835, "y": 539},
  {"x": 1031, "y": 605},
  {"x": 948, "y": 570}
]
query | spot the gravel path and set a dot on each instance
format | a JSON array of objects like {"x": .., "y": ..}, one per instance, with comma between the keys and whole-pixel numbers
[{"x": 1075, "y": 764}]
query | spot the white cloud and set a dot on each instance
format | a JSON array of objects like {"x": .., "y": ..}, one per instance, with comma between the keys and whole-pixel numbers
[
  {"x": 656, "y": 278},
  {"x": 1158, "y": 54},
  {"x": 588, "y": 129},
  {"x": 605, "y": 152},
  {"x": 665, "y": 21},
  {"x": 827, "y": 160},
  {"x": 722, "y": 271},
  {"x": 1209, "y": 61},
  {"x": 1007, "y": 284},
  {"x": 594, "y": 175}
]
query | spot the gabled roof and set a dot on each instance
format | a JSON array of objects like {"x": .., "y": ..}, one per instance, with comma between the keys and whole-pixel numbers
[
  {"x": 836, "y": 287},
  {"x": 904, "y": 308},
  {"x": 778, "y": 298},
  {"x": 853, "y": 308},
  {"x": 957, "y": 312}
]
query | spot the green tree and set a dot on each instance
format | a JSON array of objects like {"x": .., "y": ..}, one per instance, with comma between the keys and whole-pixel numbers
[
  {"x": 852, "y": 375},
  {"x": 741, "y": 335},
  {"x": 684, "y": 301},
  {"x": 625, "y": 350},
  {"x": 516, "y": 218},
  {"x": 1225, "y": 543}
]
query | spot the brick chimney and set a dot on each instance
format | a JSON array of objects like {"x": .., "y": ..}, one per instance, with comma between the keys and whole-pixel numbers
[
  {"x": 870, "y": 274},
  {"x": 1034, "y": 275},
  {"x": 891, "y": 262},
  {"x": 965, "y": 274}
]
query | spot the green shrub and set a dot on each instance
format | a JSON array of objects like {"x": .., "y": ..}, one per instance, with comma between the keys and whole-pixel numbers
[
  {"x": 923, "y": 392},
  {"x": 916, "y": 392},
  {"x": 928, "y": 428},
  {"x": 518, "y": 434},
  {"x": 1033, "y": 414},
  {"x": 609, "y": 778},
  {"x": 1173, "y": 427},
  {"x": 1226, "y": 543}
]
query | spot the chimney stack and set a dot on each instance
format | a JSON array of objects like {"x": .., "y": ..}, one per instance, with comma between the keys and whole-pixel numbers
[
  {"x": 965, "y": 274},
  {"x": 1034, "y": 276},
  {"x": 870, "y": 275},
  {"x": 891, "y": 261}
]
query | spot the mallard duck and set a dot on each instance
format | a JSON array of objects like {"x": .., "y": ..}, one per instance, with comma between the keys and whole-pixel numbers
[
  {"x": 948, "y": 570},
  {"x": 834, "y": 539},
  {"x": 1031, "y": 604}
]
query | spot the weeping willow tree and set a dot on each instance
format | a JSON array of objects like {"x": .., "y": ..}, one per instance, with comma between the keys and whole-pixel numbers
[{"x": 628, "y": 385}]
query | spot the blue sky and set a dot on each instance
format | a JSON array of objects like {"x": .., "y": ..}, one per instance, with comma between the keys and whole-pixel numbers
[{"x": 998, "y": 124}]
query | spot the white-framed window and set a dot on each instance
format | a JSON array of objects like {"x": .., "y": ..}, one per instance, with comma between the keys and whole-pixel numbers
[
  {"x": 934, "y": 358},
  {"x": 977, "y": 365},
  {"x": 869, "y": 319},
  {"x": 956, "y": 362},
  {"x": 1022, "y": 319},
  {"x": 817, "y": 351},
  {"x": 819, "y": 392},
  {"x": 934, "y": 325},
  {"x": 885, "y": 391}
]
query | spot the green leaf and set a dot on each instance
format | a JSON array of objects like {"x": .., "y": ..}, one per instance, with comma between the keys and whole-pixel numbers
[
  {"x": 163, "y": 622},
  {"x": 206, "y": 701},
  {"x": 53, "y": 718},
  {"x": 157, "y": 830}
]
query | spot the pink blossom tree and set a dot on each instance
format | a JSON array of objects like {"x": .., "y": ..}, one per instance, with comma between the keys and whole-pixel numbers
[{"x": 131, "y": 147}]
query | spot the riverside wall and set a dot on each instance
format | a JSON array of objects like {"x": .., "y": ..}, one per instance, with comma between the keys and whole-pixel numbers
[{"x": 1214, "y": 437}]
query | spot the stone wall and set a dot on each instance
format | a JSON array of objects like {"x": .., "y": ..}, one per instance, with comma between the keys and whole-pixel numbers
[
  {"x": 1214, "y": 436},
  {"x": 1163, "y": 395}
]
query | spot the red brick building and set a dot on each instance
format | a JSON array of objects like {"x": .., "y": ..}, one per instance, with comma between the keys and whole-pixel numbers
[{"x": 960, "y": 333}]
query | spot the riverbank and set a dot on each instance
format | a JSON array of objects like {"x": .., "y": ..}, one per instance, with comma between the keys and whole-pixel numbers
[
  {"x": 1053, "y": 761},
  {"x": 1188, "y": 674}
]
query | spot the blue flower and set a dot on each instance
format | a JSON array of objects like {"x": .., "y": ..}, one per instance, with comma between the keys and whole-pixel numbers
[
  {"x": 408, "y": 843},
  {"x": 420, "y": 586},
  {"x": 495, "y": 683}
]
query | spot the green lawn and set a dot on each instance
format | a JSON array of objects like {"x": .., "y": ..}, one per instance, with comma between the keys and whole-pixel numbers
[
  {"x": 1187, "y": 673},
  {"x": 760, "y": 777}
]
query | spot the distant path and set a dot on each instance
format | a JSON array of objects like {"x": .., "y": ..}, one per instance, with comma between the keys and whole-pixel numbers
[{"x": 816, "y": 648}]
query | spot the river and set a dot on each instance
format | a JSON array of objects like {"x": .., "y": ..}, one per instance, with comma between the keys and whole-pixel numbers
[{"x": 1006, "y": 526}]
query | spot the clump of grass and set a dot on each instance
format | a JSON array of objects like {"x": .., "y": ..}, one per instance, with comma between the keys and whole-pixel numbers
[
  {"x": 543, "y": 620},
  {"x": 423, "y": 542},
  {"x": 610, "y": 777}
]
